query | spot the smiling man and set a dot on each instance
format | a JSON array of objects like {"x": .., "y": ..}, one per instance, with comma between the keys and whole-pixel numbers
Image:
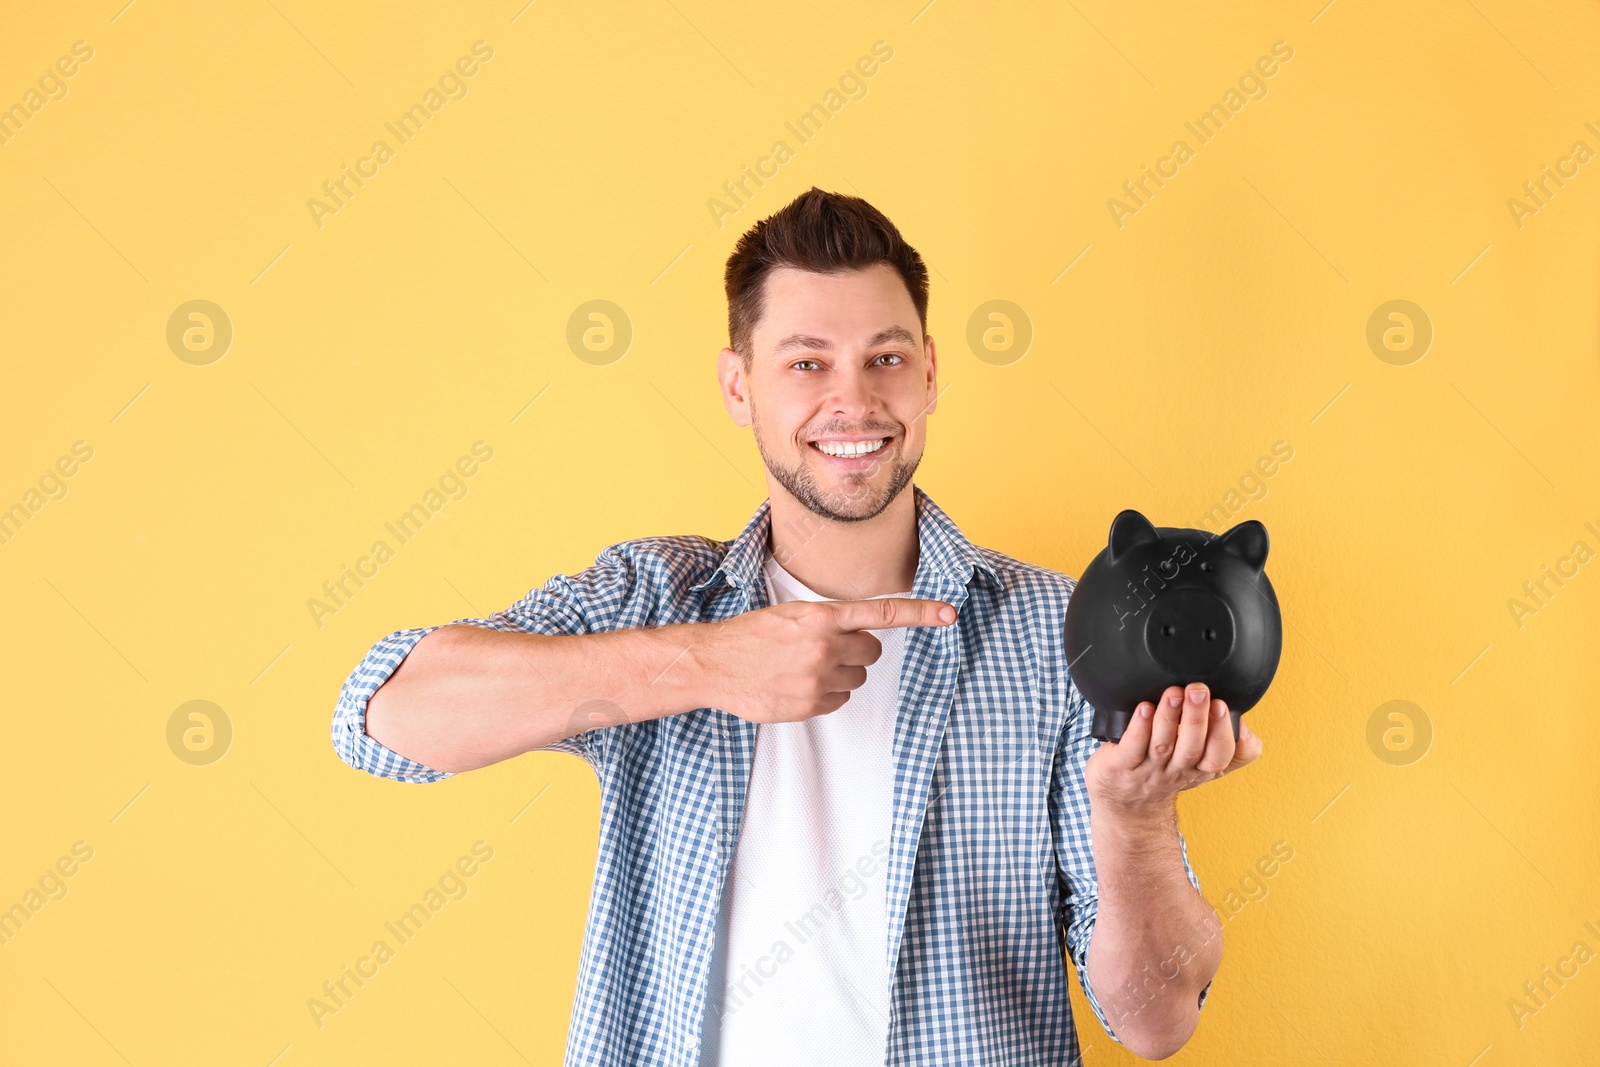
[{"x": 851, "y": 811}]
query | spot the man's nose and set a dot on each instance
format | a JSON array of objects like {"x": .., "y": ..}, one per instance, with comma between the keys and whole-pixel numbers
[{"x": 853, "y": 391}]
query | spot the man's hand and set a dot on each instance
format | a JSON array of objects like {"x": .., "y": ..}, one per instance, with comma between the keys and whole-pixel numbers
[
  {"x": 1182, "y": 741},
  {"x": 802, "y": 658}
]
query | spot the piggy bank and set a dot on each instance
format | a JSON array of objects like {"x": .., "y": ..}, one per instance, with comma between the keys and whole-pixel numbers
[{"x": 1170, "y": 606}]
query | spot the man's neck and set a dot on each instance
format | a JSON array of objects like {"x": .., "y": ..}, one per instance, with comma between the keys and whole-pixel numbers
[{"x": 846, "y": 560}]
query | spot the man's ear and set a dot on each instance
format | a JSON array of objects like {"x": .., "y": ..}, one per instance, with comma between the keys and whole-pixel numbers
[
  {"x": 735, "y": 388},
  {"x": 933, "y": 376}
]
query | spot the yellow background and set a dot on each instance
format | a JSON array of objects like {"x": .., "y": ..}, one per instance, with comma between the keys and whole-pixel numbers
[{"x": 369, "y": 353}]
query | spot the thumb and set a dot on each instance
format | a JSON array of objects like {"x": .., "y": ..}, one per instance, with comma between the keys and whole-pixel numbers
[{"x": 890, "y": 613}]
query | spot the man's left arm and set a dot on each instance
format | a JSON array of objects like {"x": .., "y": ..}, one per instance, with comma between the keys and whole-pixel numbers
[{"x": 1156, "y": 943}]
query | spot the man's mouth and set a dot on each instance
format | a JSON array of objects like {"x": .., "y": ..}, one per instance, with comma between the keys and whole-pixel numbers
[{"x": 852, "y": 453}]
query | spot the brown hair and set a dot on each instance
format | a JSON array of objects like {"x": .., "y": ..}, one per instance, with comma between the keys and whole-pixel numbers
[{"x": 822, "y": 232}]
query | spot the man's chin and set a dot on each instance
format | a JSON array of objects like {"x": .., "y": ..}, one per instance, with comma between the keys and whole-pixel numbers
[
  {"x": 851, "y": 507},
  {"x": 852, "y": 497}
]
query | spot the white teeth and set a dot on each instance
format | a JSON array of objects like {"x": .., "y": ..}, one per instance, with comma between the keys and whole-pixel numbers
[{"x": 849, "y": 448}]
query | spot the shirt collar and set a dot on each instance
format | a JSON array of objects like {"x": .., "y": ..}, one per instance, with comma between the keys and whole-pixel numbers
[{"x": 941, "y": 545}]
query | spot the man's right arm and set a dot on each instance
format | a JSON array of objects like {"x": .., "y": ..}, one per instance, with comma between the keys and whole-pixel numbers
[
  {"x": 580, "y": 654},
  {"x": 466, "y": 696}
]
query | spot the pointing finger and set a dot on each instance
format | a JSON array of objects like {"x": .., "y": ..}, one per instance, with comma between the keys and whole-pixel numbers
[{"x": 888, "y": 613}]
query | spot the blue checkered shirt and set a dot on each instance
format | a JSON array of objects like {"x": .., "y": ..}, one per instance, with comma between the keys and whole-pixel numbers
[{"x": 990, "y": 871}]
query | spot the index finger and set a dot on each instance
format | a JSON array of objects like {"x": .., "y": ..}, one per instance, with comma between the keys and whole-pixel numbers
[
  {"x": 1134, "y": 746},
  {"x": 889, "y": 613}
]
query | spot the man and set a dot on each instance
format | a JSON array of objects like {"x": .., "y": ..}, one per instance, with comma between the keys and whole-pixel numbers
[{"x": 851, "y": 810}]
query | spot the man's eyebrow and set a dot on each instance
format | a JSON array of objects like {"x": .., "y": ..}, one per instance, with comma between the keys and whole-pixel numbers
[
  {"x": 891, "y": 333},
  {"x": 799, "y": 341},
  {"x": 807, "y": 342}
]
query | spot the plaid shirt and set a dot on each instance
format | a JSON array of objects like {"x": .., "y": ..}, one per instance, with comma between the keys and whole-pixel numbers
[{"x": 990, "y": 871}]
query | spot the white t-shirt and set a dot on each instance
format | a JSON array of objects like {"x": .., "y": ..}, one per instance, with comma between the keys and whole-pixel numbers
[{"x": 797, "y": 971}]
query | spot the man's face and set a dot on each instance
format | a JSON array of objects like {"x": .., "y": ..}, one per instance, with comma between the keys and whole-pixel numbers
[{"x": 838, "y": 390}]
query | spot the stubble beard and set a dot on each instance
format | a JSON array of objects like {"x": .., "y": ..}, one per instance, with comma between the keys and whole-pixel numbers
[{"x": 858, "y": 501}]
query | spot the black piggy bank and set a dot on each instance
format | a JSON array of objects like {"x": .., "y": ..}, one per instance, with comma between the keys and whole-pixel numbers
[{"x": 1170, "y": 606}]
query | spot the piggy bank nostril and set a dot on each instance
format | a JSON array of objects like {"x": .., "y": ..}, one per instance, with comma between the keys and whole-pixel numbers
[
  {"x": 1210, "y": 634},
  {"x": 1167, "y": 630}
]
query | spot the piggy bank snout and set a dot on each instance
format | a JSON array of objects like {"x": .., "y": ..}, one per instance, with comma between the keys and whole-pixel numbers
[{"x": 1190, "y": 632}]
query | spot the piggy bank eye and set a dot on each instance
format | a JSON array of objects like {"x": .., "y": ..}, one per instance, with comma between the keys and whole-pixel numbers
[{"x": 1206, "y": 566}]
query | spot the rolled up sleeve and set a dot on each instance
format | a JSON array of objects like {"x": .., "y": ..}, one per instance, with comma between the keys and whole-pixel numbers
[
  {"x": 350, "y": 738},
  {"x": 1069, "y": 813},
  {"x": 594, "y": 600}
]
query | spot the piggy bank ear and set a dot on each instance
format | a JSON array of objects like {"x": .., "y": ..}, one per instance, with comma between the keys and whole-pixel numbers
[
  {"x": 1128, "y": 530},
  {"x": 1248, "y": 541}
]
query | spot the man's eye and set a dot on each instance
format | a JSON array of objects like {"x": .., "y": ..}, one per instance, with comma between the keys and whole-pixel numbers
[
  {"x": 800, "y": 361},
  {"x": 893, "y": 355}
]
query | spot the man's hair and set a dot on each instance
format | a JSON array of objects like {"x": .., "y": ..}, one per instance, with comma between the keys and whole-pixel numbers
[{"x": 822, "y": 232}]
